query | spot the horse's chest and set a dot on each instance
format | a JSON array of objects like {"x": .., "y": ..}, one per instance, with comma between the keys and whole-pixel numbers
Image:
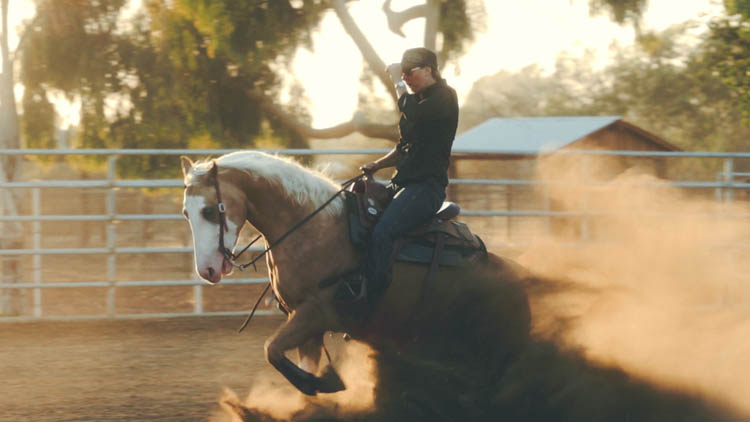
[
  {"x": 295, "y": 280},
  {"x": 286, "y": 284},
  {"x": 295, "y": 271}
]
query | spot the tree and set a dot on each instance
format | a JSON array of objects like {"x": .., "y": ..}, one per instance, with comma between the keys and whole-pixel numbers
[
  {"x": 662, "y": 84},
  {"x": 738, "y": 7},
  {"x": 727, "y": 47},
  {"x": 10, "y": 234},
  {"x": 199, "y": 73},
  {"x": 621, "y": 11},
  {"x": 9, "y": 137},
  {"x": 570, "y": 90},
  {"x": 727, "y": 50}
]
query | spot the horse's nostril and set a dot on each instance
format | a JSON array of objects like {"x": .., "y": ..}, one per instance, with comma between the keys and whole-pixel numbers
[{"x": 210, "y": 272}]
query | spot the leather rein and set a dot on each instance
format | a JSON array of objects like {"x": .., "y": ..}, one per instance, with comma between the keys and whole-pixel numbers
[{"x": 232, "y": 257}]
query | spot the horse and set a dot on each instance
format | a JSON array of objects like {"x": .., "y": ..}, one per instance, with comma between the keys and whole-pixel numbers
[{"x": 485, "y": 305}]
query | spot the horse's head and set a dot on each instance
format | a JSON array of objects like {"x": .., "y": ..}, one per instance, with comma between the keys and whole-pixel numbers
[{"x": 201, "y": 209}]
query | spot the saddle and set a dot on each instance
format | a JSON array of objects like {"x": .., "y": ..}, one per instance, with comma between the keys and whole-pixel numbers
[{"x": 441, "y": 241}]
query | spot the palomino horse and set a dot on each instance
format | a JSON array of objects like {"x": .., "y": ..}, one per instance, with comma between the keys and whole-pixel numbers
[{"x": 273, "y": 194}]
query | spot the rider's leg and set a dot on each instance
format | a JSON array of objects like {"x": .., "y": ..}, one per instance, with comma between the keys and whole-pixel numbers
[{"x": 413, "y": 205}]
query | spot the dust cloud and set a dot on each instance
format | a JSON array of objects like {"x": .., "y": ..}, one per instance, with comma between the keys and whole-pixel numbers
[
  {"x": 644, "y": 320},
  {"x": 270, "y": 401},
  {"x": 660, "y": 289}
]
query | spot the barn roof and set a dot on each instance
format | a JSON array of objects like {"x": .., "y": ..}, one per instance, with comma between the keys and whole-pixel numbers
[{"x": 534, "y": 135}]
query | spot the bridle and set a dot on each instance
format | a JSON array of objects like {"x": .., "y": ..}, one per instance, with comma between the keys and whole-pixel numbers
[
  {"x": 232, "y": 257},
  {"x": 223, "y": 227}
]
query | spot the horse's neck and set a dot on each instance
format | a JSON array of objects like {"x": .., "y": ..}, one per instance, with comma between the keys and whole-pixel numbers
[
  {"x": 313, "y": 251},
  {"x": 271, "y": 210}
]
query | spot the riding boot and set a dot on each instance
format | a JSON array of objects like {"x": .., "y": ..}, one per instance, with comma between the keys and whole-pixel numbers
[
  {"x": 376, "y": 288},
  {"x": 351, "y": 296}
]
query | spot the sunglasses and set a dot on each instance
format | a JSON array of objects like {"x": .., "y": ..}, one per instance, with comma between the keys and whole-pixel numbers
[{"x": 408, "y": 72}]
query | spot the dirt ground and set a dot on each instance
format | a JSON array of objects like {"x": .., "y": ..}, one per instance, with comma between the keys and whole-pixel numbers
[{"x": 128, "y": 370}]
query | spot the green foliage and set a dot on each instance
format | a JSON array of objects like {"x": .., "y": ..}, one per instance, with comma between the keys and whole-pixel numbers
[
  {"x": 661, "y": 84},
  {"x": 621, "y": 11},
  {"x": 727, "y": 52},
  {"x": 180, "y": 72},
  {"x": 176, "y": 75},
  {"x": 39, "y": 127},
  {"x": 735, "y": 7},
  {"x": 460, "y": 20},
  {"x": 571, "y": 90}
]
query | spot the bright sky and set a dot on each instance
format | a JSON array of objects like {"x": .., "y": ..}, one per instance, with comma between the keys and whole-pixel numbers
[{"x": 519, "y": 33}]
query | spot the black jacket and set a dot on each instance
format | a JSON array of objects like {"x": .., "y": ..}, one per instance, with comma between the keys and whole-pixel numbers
[{"x": 428, "y": 126}]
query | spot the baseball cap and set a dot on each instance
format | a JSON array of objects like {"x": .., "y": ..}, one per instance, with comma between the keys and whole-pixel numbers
[{"x": 417, "y": 57}]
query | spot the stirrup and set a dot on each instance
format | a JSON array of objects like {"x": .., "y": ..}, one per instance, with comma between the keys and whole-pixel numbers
[
  {"x": 351, "y": 292},
  {"x": 351, "y": 300}
]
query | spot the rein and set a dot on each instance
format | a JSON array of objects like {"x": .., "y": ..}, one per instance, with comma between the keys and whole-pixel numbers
[{"x": 231, "y": 257}]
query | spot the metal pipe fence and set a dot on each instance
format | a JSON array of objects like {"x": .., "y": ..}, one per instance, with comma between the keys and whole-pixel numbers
[{"x": 725, "y": 185}]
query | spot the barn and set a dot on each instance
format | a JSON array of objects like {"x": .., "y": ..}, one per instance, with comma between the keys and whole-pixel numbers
[{"x": 522, "y": 149}]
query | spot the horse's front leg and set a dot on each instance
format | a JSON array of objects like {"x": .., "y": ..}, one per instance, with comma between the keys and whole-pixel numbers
[
  {"x": 309, "y": 360},
  {"x": 305, "y": 327},
  {"x": 309, "y": 354}
]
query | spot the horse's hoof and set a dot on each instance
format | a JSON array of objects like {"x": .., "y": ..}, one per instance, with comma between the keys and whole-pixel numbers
[
  {"x": 330, "y": 382},
  {"x": 308, "y": 385},
  {"x": 308, "y": 389}
]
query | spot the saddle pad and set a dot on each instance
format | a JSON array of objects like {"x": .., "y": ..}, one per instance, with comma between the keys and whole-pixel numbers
[{"x": 452, "y": 256}]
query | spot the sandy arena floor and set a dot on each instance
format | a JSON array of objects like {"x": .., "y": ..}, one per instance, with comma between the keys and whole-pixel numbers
[{"x": 129, "y": 370}]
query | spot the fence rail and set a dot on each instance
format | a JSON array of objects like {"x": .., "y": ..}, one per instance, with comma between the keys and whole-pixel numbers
[{"x": 725, "y": 184}]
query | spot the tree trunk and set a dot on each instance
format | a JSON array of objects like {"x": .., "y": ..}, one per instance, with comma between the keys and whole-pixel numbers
[
  {"x": 10, "y": 233},
  {"x": 432, "y": 16},
  {"x": 372, "y": 130},
  {"x": 368, "y": 52}
]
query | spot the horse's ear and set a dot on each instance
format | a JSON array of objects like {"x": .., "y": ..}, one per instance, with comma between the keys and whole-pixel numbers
[
  {"x": 213, "y": 172},
  {"x": 187, "y": 165}
]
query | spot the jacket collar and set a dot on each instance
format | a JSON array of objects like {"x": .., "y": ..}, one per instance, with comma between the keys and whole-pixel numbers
[{"x": 430, "y": 89}]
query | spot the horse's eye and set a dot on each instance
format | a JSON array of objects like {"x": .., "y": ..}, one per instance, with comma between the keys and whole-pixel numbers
[{"x": 210, "y": 214}]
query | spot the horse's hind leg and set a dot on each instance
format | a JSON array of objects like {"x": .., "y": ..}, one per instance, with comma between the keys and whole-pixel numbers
[{"x": 305, "y": 324}]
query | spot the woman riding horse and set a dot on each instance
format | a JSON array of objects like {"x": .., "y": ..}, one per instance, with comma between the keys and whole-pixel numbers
[
  {"x": 274, "y": 195},
  {"x": 429, "y": 117}
]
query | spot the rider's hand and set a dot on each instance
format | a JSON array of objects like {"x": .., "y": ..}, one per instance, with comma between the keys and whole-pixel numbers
[
  {"x": 394, "y": 71},
  {"x": 369, "y": 168}
]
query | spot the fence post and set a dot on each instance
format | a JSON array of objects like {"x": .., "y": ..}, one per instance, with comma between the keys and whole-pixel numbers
[
  {"x": 111, "y": 234},
  {"x": 198, "y": 299},
  {"x": 37, "y": 230},
  {"x": 11, "y": 237},
  {"x": 728, "y": 179}
]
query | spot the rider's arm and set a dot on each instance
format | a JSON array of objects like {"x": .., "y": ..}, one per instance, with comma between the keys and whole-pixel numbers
[
  {"x": 394, "y": 72},
  {"x": 400, "y": 88},
  {"x": 389, "y": 160}
]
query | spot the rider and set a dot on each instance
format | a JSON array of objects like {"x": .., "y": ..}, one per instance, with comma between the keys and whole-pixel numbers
[{"x": 429, "y": 117}]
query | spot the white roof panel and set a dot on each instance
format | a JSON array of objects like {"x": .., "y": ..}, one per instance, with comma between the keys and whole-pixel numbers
[{"x": 531, "y": 135}]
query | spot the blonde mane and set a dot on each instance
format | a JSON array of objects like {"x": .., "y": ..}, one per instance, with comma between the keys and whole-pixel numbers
[{"x": 303, "y": 185}]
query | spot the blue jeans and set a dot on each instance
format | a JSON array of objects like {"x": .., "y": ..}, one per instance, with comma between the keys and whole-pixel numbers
[{"x": 412, "y": 206}]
